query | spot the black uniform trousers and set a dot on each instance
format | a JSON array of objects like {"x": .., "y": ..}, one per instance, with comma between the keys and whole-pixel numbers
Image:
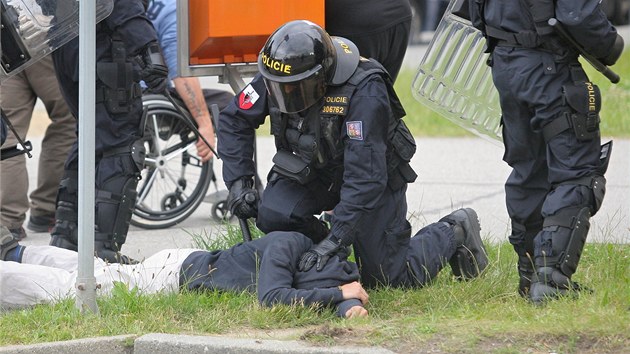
[
  {"x": 388, "y": 47},
  {"x": 384, "y": 251},
  {"x": 530, "y": 89}
]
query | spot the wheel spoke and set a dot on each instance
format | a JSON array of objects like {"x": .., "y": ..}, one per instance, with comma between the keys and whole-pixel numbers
[
  {"x": 173, "y": 179},
  {"x": 146, "y": 187}
]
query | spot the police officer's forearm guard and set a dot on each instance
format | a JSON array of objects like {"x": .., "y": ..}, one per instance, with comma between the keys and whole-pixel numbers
[{"x": 153, "y": 68}]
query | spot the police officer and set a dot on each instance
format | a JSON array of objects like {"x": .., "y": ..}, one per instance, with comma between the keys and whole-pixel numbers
[
  {"x": 383, "y": 37},
  {"x": 126, "y": 51},
  {"x": 341, "y": 145},
  {"x": 550, "y": 130}
]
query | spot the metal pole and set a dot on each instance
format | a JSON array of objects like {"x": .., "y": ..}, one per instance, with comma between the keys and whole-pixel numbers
[{"x": 86, "y": 282}]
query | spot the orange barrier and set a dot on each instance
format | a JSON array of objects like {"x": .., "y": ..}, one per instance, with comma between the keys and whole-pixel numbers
[{"x": 228, "y": 31}]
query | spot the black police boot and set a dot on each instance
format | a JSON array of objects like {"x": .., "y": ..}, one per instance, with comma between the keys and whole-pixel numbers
[
  {"x": 550, "y": 283},
  {"x": 109, "y": 251},
  {"x": 62, "y": 242},
  {"x": 112, "y": 256},
  {"x": 470, "y": 257}
]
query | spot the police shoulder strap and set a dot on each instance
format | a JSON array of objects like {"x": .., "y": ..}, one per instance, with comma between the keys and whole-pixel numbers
[{"x": 369, "y": 67}]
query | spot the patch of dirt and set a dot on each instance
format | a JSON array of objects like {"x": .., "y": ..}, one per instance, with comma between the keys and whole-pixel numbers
[{"x": 327, "y": 335}]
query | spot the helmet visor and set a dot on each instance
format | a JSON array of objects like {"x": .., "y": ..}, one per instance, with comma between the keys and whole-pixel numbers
[{"x": 298, "y": 95}]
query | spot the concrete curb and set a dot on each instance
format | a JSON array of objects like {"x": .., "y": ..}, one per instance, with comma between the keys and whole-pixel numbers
[
  {"x": 184, "y": 344},
  {"x": 181, "y": 344},
  {"x": 100, "y": 345}
]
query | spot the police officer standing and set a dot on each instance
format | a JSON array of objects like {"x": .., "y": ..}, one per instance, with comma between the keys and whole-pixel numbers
[
  {"x": 126, "y": 51},
  {"x": 380, "y": 29},
  {"x": 341, "y": 145},
  {"x": 550, "y": 130}
]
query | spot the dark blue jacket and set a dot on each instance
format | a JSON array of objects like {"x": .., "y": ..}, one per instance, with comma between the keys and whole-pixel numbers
[
  {"x": 365, "y": 170},
  {"x": 267, "y": 266},
  {"x": 583, "y": 19}
]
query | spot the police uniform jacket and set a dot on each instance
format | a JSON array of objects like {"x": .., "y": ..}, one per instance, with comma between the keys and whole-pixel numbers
[
  {"x": 582, "y": 19},
  {"x": 364, "y": 133}
]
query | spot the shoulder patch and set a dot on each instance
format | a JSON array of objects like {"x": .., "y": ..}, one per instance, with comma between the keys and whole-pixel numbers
[
  {"x": 355, "y": 130},
  {"x": 248, "y": 97}
]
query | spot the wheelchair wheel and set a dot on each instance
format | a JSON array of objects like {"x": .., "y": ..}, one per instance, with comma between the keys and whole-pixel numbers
[{"x": 174, "y": 180}]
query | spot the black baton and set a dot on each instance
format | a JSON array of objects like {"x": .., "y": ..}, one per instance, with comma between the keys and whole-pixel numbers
[
  {"x": 247, "y": 235},
  {"x": 189, "y": 121},
  {"x": 598, "y": 65}
]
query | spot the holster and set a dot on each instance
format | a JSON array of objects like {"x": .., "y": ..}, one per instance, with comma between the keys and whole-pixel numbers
[
  {"x": 293, "y": 167},
  {"x": 399, "y": 172}
]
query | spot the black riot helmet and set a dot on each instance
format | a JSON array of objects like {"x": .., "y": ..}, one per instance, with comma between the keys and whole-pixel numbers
[{"x": 299, "y": 60}]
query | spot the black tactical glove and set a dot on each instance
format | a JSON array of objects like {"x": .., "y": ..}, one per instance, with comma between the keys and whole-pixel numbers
[
  {"x": 243, "y": 198},
  {"x": 615, "y": 52},
  {"x": 153, "y": 69},
  {"x": 320, "y": 254}
]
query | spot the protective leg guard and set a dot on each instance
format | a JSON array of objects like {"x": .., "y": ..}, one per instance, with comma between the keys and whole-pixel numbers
[
  {"x": 115, "y": 202},
  {"x": 65, "y": 234},
  {"x": 554, "y": 271},
  {"x": 470, "y": 258}
]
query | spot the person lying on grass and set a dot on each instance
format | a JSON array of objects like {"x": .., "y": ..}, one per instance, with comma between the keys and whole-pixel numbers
[{"x": 33, "y": 275}]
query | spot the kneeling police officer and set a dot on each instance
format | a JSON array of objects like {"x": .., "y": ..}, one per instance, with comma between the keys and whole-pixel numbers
[{"x": 341, "y": 146}]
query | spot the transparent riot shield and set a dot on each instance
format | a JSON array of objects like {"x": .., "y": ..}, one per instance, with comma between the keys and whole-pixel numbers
[
  {"x": 453, "y": 78},
  {"x": 31, "y": 29}
]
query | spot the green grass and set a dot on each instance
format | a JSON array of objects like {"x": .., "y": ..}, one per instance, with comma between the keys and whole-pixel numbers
[
  {"x": 482, "y": 315},
  {"x": 422, "y": 121}
]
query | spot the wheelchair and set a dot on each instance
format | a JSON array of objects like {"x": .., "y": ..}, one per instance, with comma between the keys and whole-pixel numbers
[{"x": 174, "y": 180}]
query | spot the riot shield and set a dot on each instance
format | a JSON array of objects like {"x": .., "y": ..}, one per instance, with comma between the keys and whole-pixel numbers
[
  {"x": 453, "y": 78},
  {"x": 32, "y": 29}
]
